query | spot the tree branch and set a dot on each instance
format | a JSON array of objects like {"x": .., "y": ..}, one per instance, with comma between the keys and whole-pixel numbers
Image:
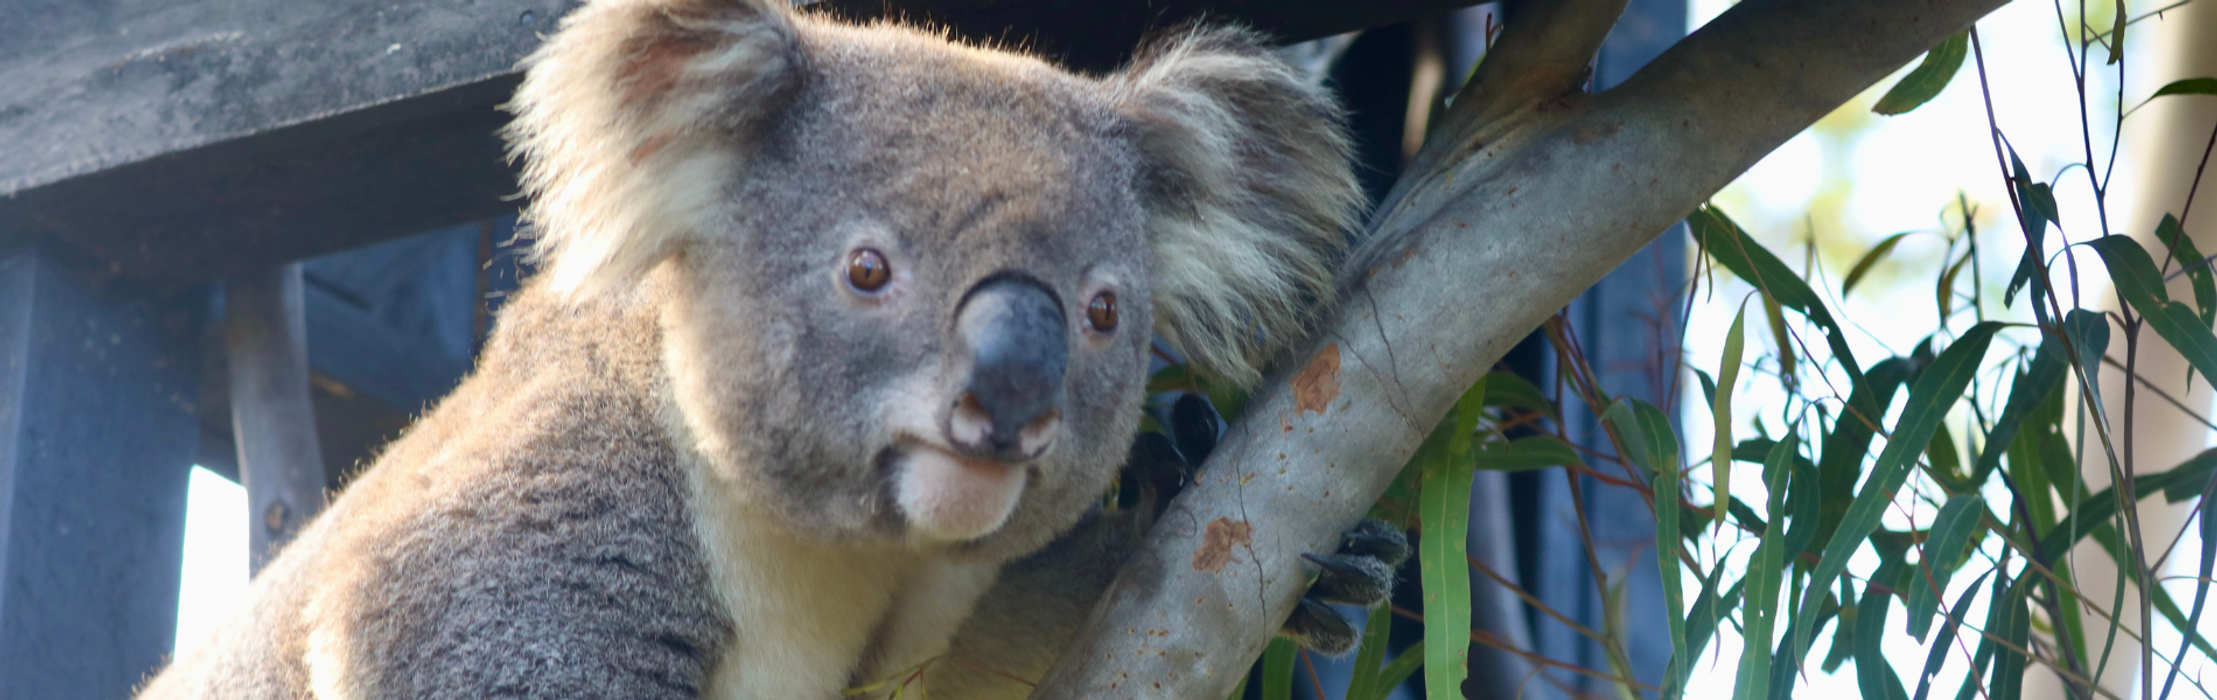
[{"x": 1535, "y": 197}]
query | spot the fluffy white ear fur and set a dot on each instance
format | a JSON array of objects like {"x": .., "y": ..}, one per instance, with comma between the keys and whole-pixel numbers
[
  {"x": 1249, "y": 192},
  {"x": 627, "y": 120}
]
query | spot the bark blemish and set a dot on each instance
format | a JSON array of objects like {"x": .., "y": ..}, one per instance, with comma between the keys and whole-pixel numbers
[
  {"x": 1318, "y": 384},
  {"x": 1218, "y": 541}
]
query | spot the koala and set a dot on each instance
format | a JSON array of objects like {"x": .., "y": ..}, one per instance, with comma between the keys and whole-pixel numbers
[{"x": 839, "y": 328}]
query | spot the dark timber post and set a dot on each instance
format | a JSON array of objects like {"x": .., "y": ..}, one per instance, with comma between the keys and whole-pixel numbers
[
  {"x": 96, "y": 438},
  {"x": 280, "y": 461}
]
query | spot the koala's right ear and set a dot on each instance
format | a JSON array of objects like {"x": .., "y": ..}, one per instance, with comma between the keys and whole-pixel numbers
[{"x": 631, "y": 118}]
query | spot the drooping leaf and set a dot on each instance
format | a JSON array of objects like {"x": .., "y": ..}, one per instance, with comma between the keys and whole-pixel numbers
[
  {"x": 1945, "y": 643},
  {"x": 1731, "y": 247},
  {"x": 2088, "y": 332},
  {"x": 2136, "y": 279},
  {"x": 2036, "y": 382},
  {"x": 1664, "y": 481},
  {"x": 2038, "y": 210},
  {"x": 2008, "y": 682},
  {"x": 1508, "y": 390},
  {"x": 1277, "y": 669},
  {"x": 1526, "y": 454},
  {"x": 1943, "y": 551},
  {"x": 1444, "y": 507},
  {"x": 2183, "y": 250},
  {"x": 1401, "y": 668},
  {"x": 1926, "y": 80},
  {"x": 1996, "y": 620},
  {"x": 1944, "y": 292},
  {"x": 1759, "y": 609},
  {"x": 1870, "y": 259},
  {"x": 1370, "y": 657},
  {"x": 1945, "y": 466},
  {"x": 1874, "y": 676},
  {"x": 2188, "y": 86},
  {"x": 1935, "y": 391},
  {"x": 1728, "y": 373},
  {"x": 2117, "y": 34},
  {"x": 1708, "y": 388},
  {"x": 1781, "y": 338},
  {"x": 2208, "y": 525},
  {"x": 2028, "y": 272},
  {"x": 1850, "y": 441}
]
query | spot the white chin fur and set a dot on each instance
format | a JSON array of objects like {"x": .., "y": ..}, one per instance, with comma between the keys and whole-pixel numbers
[{"x": 950, "y": 499}]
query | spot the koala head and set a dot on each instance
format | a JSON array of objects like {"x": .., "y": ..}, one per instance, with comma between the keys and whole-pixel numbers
[{"x": 909, "y": 285}]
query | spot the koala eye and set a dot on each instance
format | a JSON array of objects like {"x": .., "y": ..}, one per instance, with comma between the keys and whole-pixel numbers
[
  {"x": 867, "y": 270},
  {"x": 1101, "y": 312}
]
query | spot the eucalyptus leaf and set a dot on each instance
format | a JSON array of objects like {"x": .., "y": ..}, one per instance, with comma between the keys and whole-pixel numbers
[
  {"x": 1277, "y": 669},
  {"x": 1526, "y": 454},
  {"x": 1943, "y": 551},
  {"x": 1925, "y": 81},
  {"x": 1870, "y": 259},
  {"x": 1728, "y": 373},
  {"x": 1759, "y": 609},
  {"x": 1936, "y": 390},
  {"x": 2136, "y": 279}
]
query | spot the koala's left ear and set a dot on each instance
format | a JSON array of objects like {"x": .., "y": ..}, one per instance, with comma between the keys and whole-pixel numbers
[
  {"x": 632, "y": 117},
  {"x": 1249, "y": 192}
]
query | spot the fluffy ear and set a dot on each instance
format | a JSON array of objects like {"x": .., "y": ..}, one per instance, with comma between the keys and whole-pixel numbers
[
  {"x": 630, "y": 119},
  {"x": 1249, "y": 194}
]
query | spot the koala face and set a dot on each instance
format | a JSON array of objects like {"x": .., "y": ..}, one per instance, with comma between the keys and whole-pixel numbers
[{"x": 909, "y": 285}]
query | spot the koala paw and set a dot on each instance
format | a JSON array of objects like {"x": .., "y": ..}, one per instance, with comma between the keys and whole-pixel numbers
[{"x": 1360, "y": 573}]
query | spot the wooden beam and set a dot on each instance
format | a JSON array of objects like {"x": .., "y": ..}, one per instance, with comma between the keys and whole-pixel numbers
[
  {"x": 273, "y": 424},
  {"x": 177, "y": 141},
  {"x": 96, "y": 438}
]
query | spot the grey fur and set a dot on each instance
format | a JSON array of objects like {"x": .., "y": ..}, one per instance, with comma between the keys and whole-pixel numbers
[{"x": 584, "y": 516}]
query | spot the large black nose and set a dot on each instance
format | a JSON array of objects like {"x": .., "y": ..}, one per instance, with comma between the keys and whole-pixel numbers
[{"x": 1019, "y": 346}]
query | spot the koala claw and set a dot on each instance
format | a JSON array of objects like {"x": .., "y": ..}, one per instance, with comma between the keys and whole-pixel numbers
[{"x": 1361, "y": 573}]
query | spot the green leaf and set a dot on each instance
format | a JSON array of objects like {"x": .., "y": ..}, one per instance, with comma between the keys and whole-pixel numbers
[
  {"x": 2183, "y": 250},
  {"x": 2136, "y": 279},
  {"x": 2208, "y": 525},
  {"x": 2036, "y": 382},
  {"x": 1925, "y": 82},
  {"x": 1400, "y": 668},
  {"x": 1870, "y": 259},
  {"x": 1444, "y": 509},
  {"x": 2116, "y": 43},
  {"x": 2028, "y": 271},
  {"x": 1850, "y": 441},
  {"x": 1944, "y": 292},
  {"x": 1996, "y": 619},
  {"x": 1759, "y": 610},
  {"x": 1708, "y": 388},
  {"x": 1645, "y": 432},
  {"x": 1781, "y": 338},
  {"x": 2188, "y": 86},
  {"x": 1526, "y": 454},
  {"x": 2088, "y": 332},
  {"x": 1873, "y": 675},
  {"x": 2187, "y": 475},
  {"x": 1277, "y": 669},
  {"x": 1362, "y": 681},
  {"x": 1728, "y": 373},
  {"x": 1239, "y": 692},
  {"x": 1736, "y": 251},
  {"x": 1943, "y": 552},
  {"x": 2008, "y": 682},
  {"x": 2036, "y": 200},
  {"x": 1935, "y": 391},
  {"x": 1945, "y": 643},
  {"x": 1508, "y": 390}
]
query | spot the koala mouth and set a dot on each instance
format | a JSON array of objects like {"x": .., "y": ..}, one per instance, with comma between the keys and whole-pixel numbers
[{"x": 947, "y": 497}]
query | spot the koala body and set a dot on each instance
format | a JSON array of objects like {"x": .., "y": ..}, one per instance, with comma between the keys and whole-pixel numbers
[{"x": 836, "y": 322}]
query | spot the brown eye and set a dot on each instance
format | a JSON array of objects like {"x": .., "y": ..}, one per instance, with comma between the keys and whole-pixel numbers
[
  {"x": 867, "y": 270},
  {"x": 1101, "y": 314}
]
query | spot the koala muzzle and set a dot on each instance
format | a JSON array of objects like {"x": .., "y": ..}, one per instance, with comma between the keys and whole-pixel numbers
[{"x": 1011, "y": 402}]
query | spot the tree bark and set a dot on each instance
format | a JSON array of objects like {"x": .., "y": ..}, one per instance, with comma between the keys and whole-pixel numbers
[{"x": 1527, "y": 192}]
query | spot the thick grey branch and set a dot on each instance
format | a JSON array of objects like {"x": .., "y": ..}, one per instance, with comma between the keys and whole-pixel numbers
[{"x": 1532, "y": 207}]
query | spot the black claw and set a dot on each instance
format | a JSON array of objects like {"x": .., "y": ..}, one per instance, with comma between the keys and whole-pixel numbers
[
  {"x": 1376, "y": 539},
  {"x": 1351, "y": 579},
  {"x": 1317, "y": 626}
]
